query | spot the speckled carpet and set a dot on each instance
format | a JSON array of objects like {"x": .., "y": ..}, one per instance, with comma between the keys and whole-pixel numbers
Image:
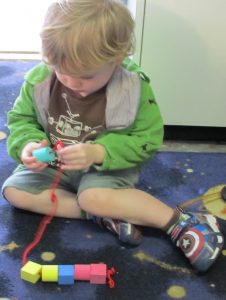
[{"x": 154, "y": 270}]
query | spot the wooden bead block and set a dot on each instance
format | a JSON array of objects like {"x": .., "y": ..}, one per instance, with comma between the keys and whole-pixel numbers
[
  {"x": 98, "y": 273},
  {"x": 82, "y": 272},
  {"x": 66, "y": 274},
  {"x": 31, "y": 272},
  {"x": 50, "y": 273}
]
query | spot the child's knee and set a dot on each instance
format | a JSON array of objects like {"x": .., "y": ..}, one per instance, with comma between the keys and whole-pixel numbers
[
  {"x": 91, "y": 200},
  {"x": 12, "y": 196}
]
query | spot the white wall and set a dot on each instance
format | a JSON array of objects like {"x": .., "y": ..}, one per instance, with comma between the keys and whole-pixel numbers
[
  {"x": 20, "y": 24},
  {"x": 184, "y": 52}
]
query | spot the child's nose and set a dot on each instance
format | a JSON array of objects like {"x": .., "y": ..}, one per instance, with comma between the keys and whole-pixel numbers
[{"x": 76, "y": 83}]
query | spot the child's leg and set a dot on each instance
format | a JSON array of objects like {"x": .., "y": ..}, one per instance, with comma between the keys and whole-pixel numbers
[
  {"x": 31, "y": 191},
  {"x": 131, "y": 205},
  {"x": 197, "y": 235},
  {"x": 41, "y": 203},
  {"x": 119, "y": 209}
]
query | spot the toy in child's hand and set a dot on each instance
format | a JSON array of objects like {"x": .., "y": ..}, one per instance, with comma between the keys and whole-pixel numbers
[{"x": 46, "y": 155}]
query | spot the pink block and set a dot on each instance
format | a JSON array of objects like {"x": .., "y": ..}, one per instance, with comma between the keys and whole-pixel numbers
[
  {"x": 82, "y": 272},
  {"x": 98, "y": 273}
]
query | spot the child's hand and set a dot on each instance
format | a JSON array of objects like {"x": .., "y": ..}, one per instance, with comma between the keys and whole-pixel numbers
[
  {"x": 80, "y": 156},
  {"x": 30, "y": 161}
]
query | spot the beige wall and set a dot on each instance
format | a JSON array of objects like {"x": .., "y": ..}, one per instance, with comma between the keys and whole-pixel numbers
[{"x": 183, "y": 49}]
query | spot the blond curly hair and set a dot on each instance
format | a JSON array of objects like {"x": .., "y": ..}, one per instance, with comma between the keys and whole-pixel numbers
[{"x": 79, "y": 36}]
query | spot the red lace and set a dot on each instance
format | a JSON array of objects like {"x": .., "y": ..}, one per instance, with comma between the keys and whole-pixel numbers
[
  {"x": 110, "y": 281},
  {"x": 48, "y": 218}
]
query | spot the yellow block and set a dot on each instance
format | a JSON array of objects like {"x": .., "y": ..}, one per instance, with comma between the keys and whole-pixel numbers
[
  {"x": 50, "y": 273},
  {"x": 31, "y": 271}
]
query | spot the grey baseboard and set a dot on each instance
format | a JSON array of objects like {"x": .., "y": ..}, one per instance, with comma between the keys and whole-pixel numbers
[{"x": 195, "y": 133}]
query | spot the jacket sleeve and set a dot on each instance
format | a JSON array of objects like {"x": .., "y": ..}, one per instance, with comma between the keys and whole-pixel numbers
[
  {"x": 135, "y": 145},
  {"x": 22, "y": 123}
]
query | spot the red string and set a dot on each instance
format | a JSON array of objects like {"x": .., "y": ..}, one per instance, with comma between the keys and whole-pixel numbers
[
  {"x": 48, "y": 218},
  {"x": 110, "y": 281}
]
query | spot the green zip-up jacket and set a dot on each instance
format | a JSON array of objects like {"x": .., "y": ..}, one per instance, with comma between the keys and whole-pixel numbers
[{"x": 134, "y": 127}]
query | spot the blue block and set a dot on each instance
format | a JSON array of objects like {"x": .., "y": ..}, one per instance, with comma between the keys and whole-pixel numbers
[{"x": 66, "y": 274}]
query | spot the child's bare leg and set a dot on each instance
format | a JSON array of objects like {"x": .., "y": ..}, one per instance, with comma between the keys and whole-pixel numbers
[
  {"x": 197, "y": 235},
  {"x": 41, "y": 203},
  {"x": 131, "y": 205}
]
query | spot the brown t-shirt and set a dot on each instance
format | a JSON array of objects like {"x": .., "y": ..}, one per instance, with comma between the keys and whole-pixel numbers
[{"x": 72, "y": 118}]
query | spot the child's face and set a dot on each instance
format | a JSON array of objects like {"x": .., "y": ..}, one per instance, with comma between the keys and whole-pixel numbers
[{"x": 90, "y": 83}]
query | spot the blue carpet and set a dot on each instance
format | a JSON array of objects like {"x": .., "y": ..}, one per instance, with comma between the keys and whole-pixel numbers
[{"x": 154, "y": 270}]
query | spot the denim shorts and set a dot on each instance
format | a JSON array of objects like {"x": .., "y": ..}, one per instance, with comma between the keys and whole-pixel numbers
[{"x": 72, "y": 181}]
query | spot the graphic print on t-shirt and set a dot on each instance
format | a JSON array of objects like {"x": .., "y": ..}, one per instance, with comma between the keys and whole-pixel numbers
[{"x": 74, "y": 120}]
